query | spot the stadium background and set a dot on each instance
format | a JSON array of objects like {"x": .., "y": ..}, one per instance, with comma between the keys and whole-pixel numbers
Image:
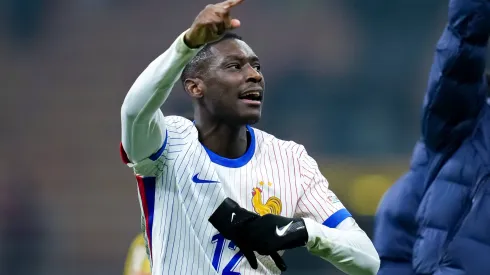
[{"x": 344, "y": 77}]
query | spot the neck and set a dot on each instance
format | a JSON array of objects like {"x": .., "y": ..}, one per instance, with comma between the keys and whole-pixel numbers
[{"x": 223, "y": 139}]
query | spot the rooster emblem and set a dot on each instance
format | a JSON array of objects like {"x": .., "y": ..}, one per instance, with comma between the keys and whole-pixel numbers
[{"x": 272, "y": 206}]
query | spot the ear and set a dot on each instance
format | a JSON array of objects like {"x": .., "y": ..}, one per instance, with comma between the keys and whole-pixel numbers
[{"x": 194, "y": 87}]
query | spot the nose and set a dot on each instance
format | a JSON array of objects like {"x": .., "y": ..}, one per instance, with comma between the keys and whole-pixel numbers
[{"x": 253, "y": 75}]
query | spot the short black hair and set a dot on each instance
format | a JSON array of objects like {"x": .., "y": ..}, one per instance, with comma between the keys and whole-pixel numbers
[{"x": 195, "y": 64}]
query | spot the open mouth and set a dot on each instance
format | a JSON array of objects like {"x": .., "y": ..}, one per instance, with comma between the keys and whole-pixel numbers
[{"x": 251, "y": 96}]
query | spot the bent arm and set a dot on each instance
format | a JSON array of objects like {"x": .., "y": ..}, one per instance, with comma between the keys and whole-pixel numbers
[
  {"x": 333, "y": 234},
  {"x": 456, "y": 89},
  {"x": 142, "y": 121}
]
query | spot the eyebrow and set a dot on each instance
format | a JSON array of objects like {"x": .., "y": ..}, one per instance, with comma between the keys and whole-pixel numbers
[{"x": 252, "y": 58}]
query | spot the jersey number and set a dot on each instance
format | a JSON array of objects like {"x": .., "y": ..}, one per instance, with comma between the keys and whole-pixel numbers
[{"x": 218, "y": 252}]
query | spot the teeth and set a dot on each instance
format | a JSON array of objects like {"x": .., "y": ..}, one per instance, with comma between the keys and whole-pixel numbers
[{"x": 251, "y": 93}]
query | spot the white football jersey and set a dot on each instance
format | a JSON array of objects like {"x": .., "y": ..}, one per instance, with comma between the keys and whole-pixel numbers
[{"x": 182, "y": 184}]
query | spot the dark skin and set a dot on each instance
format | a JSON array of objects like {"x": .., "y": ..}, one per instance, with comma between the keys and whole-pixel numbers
[{"x": 221, "y": 109}]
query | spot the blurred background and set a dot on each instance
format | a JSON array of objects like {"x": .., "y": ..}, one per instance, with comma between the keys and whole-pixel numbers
[{"x": 345, "y": 78}]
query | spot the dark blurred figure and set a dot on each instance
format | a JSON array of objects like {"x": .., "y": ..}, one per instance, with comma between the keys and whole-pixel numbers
[
  {"x": 21, "y": 229},
  {"x": 435, "y": 219}
]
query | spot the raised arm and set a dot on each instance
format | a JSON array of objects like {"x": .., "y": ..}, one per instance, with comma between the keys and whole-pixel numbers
[
  {"x": 143, "y": 126},
  {"x": 456, "y": 90}
]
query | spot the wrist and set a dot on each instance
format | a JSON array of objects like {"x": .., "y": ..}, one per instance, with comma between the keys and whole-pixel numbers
[
  {"x": 188, "y": 42},
  {"x": 303, "y": 231},
  {"x": 311, "y": 229},
  {"x": 291, "y": 233}
]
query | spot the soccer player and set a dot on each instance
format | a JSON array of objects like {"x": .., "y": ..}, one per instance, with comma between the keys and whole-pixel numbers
[
  {"x": 137, "y": 262},
  {"x": 188, "y": 171}
]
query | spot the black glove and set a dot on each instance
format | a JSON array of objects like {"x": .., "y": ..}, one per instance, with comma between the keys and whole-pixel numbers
[
  {"x": 230, "y": 220},
  {"x": 275, "y": 233},
  {"x": 251, "y": 232}
]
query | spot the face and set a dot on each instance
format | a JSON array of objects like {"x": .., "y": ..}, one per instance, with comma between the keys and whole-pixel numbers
[{"x": 233, "y": 87}]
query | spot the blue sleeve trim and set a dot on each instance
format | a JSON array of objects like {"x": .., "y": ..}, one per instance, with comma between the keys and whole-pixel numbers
[
  {"x": 156, "y": 155},
  {"x": 337, "y": 218}
]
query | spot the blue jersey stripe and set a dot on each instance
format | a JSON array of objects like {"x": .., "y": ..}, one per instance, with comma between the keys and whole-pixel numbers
[
  {"x": 146, "y": 186},
  {"x": 337, "y": 218}
]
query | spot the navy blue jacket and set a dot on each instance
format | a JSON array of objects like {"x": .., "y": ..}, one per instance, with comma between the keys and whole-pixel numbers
[{"x": 436, "y": 218}]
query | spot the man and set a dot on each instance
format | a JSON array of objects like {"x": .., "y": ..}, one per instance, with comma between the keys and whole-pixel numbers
[
  {"x": 435, "y": 219},
  {"x": 259, "y": 193},
  {"x": 137, "y": 262}
]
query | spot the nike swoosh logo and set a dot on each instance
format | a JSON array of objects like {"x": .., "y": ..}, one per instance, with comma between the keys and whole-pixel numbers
[
  {"x": 232, "y": 216},
  {"x": 198, "y": 180},
  {"x": 282, "y": 231}
]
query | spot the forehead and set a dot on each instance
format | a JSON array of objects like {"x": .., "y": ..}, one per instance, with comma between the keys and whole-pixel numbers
[{"x": 232, "y": 48}]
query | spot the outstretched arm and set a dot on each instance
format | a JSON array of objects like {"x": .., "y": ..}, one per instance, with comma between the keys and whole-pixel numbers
[{"x": 456, "y": 89}]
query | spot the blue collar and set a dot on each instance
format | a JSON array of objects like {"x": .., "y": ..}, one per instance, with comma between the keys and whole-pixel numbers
[{"x": 238, "y": 162}]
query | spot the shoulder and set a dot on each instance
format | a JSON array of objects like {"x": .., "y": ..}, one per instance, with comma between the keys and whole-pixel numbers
[
  {"x": 268, "y": 141},
  {"x": 180, "y": 135},
  {"x": 175, "y": 122},
  {"x": 180, "y": 127}
]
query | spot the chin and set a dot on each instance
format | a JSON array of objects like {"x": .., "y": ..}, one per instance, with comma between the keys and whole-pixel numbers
[
  {"x": 251, "y": 120},
  {"x": 247, "y": 119}
]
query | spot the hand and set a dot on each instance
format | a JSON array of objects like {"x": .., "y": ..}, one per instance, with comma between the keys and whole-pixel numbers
[
  {"x": 230, "y": 220},
  {"x": 275, "y": 233},
  {"x": 211, "y": 23}
]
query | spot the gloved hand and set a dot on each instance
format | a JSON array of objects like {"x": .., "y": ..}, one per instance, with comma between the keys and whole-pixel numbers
[
  {"x": 251, "y": 232},
  {"x": 229, "y": 219},
  {"x": 275, "y": 233}
]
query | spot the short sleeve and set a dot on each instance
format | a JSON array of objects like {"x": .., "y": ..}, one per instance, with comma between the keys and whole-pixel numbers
[{"x": 318, "y": 202}]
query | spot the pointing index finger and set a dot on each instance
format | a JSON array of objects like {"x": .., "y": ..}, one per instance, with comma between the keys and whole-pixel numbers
[{"x": 231, "y": 3}]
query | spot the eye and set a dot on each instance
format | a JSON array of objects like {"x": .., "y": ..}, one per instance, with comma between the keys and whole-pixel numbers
[
  {"x": 257, "y": 67},
  {"x": 235, "y": 66}
]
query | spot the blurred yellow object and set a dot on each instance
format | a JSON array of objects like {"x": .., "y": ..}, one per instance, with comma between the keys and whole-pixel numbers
[
  {"x": 137, "y": 262},
  {"x": 367, "y": 191},
  {"x": 360, "y": 184}
]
